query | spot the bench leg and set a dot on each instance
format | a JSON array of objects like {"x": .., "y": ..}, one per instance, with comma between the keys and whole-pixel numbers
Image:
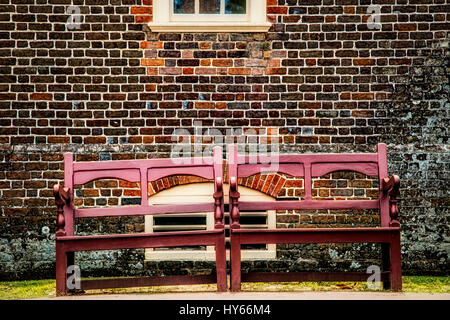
[
  {"x": 396, "y": 263},
  {"x": 221, "y": 265},
  {"x": 61, "y": 270},
  {"x": 235, "y": 263}
]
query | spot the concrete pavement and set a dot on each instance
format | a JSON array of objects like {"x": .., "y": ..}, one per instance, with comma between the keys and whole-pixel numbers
[{"x": 238, "y": 296}]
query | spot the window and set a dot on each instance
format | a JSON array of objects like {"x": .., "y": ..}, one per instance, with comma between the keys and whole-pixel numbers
[
  {"x": 200, "y": 192},
  {"x": 209, "y": 16}
]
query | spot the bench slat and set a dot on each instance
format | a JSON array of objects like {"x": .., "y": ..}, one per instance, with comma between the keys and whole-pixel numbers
[
  {"x": 133, "y": 175},
  {"x": 142, "y": 163},
  {"x": 141, "y": 240},
  {"x": 309, "y": 157},
  {"x": 143, "y": 210},
  {"x": 136, "y": 235},
  {"x": 368, "y": 168},
  {"x": 158, "y": 173},
  {"x": 82, "y": 177},
  {"x": 297, "y": 169},
  {"x": 319, "y": 235},
  {"x": 309, "y": 276},
  {"x": 146, "y": 281},
  {"x": 309, "y": 204}
]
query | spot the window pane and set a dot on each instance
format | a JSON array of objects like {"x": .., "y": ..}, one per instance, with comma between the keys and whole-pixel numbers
[
  {"x": 235, "y": 6},
  {"x": 209, "y": 6},
  {"x": 167, "y": 221},
  {"x": 183, "y": 6}
]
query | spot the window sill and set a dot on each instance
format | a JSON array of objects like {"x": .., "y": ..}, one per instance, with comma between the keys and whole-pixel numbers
[{"x": 209, "y": 27}]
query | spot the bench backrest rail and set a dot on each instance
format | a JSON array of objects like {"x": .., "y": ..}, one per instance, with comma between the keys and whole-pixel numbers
[
  {"x": 309, "y": 166},
  {"x": 142, "y": 171}
]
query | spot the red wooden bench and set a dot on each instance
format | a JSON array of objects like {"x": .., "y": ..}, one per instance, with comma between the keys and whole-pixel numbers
[
  {"x": 142, "y": 171},
  {"x": 308, "y": 166}
]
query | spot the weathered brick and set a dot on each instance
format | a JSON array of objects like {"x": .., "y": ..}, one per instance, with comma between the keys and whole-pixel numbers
[{"x": 319, "y": 78}]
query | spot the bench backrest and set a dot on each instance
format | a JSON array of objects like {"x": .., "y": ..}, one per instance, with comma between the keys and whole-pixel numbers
[
  {"x": 142, "y": 171},
  {"x": 308, "y": 166}
]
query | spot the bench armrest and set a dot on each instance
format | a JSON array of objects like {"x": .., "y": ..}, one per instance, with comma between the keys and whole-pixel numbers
[
  {"x": 62, "y": 198},
  {"x": 234, "y": 203},
  {"x": 218, "y": 203},
  {"x": 391, "y": 188}
]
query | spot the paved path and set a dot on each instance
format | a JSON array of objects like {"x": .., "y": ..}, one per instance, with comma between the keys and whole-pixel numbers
[{"x": 264, "y": 296}]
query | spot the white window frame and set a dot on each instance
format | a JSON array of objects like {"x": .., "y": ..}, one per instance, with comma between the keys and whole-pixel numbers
[
  {"x": 209, "y": 17},
  {"x": 199, "y": 192},
  {"x": 164, "y": 20}
]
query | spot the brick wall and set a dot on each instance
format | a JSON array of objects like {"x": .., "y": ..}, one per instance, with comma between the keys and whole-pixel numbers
[{"x": 319, "y": 80}]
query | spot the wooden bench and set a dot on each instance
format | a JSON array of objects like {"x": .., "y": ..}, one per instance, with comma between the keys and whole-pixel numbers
[
  {"x": 308, "y": 166},
  {"x": 142, "y": 171}
]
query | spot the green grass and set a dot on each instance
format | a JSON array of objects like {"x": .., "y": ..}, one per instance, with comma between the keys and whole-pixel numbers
[
  {"x": 426, "y": 284},
  {"x": 417, "y": 284},
  {"x": 46, "y": 288},
  {"x": 27, "y": 289}
]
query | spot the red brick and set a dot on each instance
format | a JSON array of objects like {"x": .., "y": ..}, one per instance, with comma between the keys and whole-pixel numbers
[
  {"x": 58, "y": 139},
  {"x": 239, "y": 71},
  {"x": 277, "y": 10},
  {"x": 95, "y": 140},
  {"x": 41, "y": 96},
  {"x": 405, "y": 26},
  {"x": 131, "y": 193},
  {"x": 272, "y": 71},
  {"x": 363, "y": 62},
  {"x": 222, "y": 62},
  {"x": 362, "y": 96},
  {"x": 152, "y": 62},
  {"x": 204, "y": 105},
  {"x": 143, "y": 19},
  {"x": 151, "y": 45},
  {"x": 141, "y": 10},
  {"x": 90, "y": 192}
]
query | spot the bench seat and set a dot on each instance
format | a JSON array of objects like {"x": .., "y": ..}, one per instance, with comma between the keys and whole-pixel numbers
[
  {"x": 138, "y": 240},
  {"x": 315, "y": 235}
]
